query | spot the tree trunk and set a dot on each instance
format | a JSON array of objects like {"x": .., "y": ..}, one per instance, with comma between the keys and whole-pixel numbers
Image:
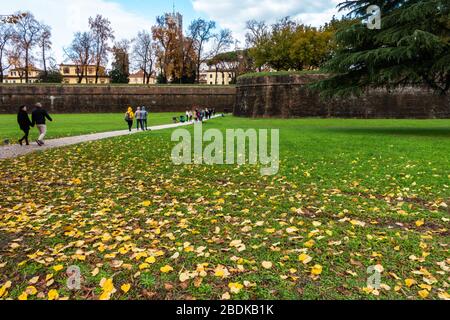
[
  {"x": 1, "y": 66},
  {"x": 97, "y": 71},
  {"x": 199, "y": 62},
  {"x": 26, "y": 64},
  {"x": 45, "y": 62}
]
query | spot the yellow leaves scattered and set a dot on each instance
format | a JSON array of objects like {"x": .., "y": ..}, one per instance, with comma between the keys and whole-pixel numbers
[
  {"x": 316, "y": 270},
  {"x": 267, "y": 264},
  {"x": 424, "y": 293},
  {"x": 317, "y": 224},
  {"x": 58, "y": 267},
  {"x": 76, "y": 181},
  {"x": 5, "y": 287},
  {"x": 238, "y": 245},
  {"x": 410, "y": 282},
  {"x": 184, "y": 276},
  {"x": 379, "y": 268},
  {"x": 221, "y": 272},
  {"x": 146, "y": 203},
  {"x": 420, "y": 222},
  {"x": 34, "y": 280},
  {"x": 304, "y": 258},
  {"x": 144, "y": 266},
  {"x": 358, "y": 223},
  {"x": 166, "y": 269},
  {"x": 95, "y": 271},
  {"x": 226, "y": 296},
  {"x": 30, "y": 290},
  {"x": 291, "y": 230},
  {"x": 150, "y": 260},
  {"x": 235, "y": 287},
  {"x": 309, "y": 244},
  {"x": 425, "y": 286},
  {"x": 444, "y": 295},
  {"x": 108, "y": 288},
  {"x": 14, "y": 245},
  {"x": 125, "y": 287},
  {"x": 53, "y": 295},
  {"x": 23, "y": 296}
]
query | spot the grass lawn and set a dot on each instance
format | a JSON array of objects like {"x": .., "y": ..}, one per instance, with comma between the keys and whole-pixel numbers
[
  {"x": 65, "y": 125},
  {"x": 350, "y": 194}
]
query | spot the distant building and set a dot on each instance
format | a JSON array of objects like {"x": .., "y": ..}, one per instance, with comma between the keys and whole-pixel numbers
[
  {"x": 221, "y": 77},
  {"x": 138, "y": 78},
  {"x": 17, "y": 75},
  {"x": 71, "y": 72},
  {"x": 175, "y": 18}
]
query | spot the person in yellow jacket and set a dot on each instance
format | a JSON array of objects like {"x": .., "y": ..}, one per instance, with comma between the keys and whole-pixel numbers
[{"x": 129, "y": 117}]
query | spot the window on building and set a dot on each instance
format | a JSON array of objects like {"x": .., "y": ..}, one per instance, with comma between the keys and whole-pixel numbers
[
  {"x": 210, "y": 76},
  {"x": 66, "y": 70}
]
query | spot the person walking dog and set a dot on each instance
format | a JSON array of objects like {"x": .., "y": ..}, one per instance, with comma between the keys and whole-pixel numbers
[
  {"x": 38, "y": 118},
  {"x": 24, "y": 123}
]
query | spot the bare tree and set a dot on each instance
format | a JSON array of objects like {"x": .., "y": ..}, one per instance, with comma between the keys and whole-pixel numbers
[
  {"x": 222, "y": 42},
  {"x": 16, "y": 59},
  {"x": 201, "y": 31},
  {"x": 81, "y": 53},
  {"x": 6, "y": 35},
  {"x": 257, "y": 32},
  {"x": 45, "y": 44},
  {"x": 26, "y": 37},
  {"x": 102, "y": 33},
  {"x": 144, "y": 55}
]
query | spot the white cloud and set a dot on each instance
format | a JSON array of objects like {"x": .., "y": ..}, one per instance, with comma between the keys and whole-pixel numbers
[
  {"x": 69, "y": 16},
  {"x": 233, "y": 14}
]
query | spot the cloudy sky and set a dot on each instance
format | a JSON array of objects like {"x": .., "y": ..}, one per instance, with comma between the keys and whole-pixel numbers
[{"x": 129, "y": 16}]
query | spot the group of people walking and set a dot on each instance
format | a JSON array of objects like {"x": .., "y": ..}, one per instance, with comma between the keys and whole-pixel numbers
[
  {"x": 141, "y": 117},
  {"x": 38, "y": 119},
  {"x": 40, "y": 115},
  {"x": 198, "y": 115}
]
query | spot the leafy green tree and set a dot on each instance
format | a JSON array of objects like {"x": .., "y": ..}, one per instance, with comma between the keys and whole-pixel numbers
[
  {"x": 412, "y": 47},
  {"x": 52, "y": 76},
  {"x": 288, "y": 45},
  {"x": 120, "y": 72},
  {"x": 117, "y": 76}
]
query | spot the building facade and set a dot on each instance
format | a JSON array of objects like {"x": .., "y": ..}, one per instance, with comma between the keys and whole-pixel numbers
[
  {"x": 18, "y": 75},
  {"x": 219, "y": 77},
  {"x": 138, "y": 78},
  {"x": 71, "y": 74}
]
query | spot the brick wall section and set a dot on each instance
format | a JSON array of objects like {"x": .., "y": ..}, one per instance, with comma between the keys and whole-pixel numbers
[
  {"x": 86, "y": 99},
  {"x": 287, "y": 97}
]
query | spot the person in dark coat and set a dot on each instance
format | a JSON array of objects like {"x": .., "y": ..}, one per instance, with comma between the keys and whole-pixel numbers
[
  {"x": 38, "y": 118},
  {"x": 24, "y": 123}
]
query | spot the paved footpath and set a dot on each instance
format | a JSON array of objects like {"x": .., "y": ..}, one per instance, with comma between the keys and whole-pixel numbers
[{"x": 13, "y": 151}]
